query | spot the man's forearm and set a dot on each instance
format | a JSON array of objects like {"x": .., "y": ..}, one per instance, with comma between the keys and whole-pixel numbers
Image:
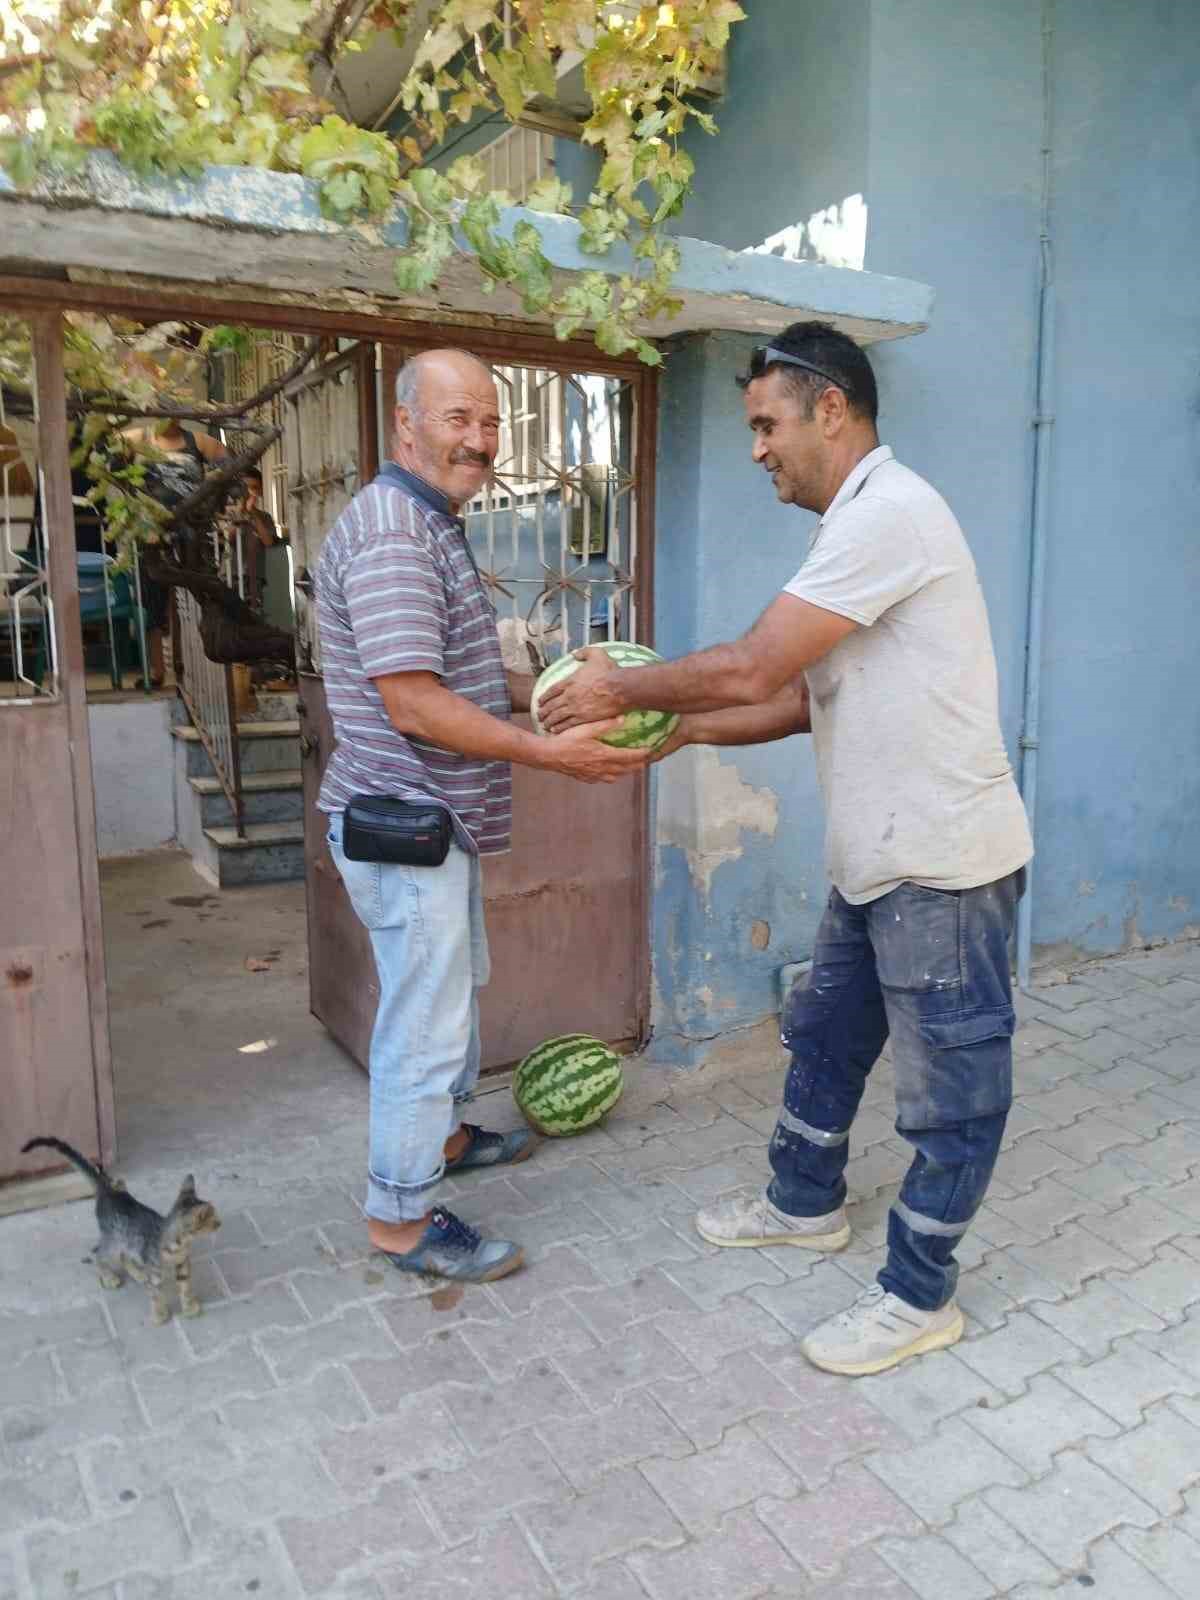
[
  {"x": 710, "y": 680},
  {"x": 778, "y": 718},
  {"x": 438, "y": 716}
]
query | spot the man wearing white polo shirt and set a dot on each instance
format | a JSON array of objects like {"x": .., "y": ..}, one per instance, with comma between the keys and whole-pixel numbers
[{"x": 880, "y": 647}]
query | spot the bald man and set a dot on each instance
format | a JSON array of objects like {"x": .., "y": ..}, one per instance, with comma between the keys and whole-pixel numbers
[{"x": 421, "y": 708}]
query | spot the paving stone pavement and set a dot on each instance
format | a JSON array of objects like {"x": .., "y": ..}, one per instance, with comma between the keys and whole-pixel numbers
[{"x": 629, "y": 1418}]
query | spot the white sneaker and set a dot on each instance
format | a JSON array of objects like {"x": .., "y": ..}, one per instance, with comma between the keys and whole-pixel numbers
[
  {"x": 753, "y": 1221},
  {"x": 879, "y": 1331}
]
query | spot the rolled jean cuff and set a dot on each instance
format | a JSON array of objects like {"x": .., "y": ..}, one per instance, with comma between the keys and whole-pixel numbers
[{"x": 400, "y": 1202}]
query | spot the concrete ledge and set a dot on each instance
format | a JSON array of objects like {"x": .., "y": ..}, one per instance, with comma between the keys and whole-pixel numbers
[
  {"x": 33, "y": 1194},
  {"x": 246, "y": 228}
]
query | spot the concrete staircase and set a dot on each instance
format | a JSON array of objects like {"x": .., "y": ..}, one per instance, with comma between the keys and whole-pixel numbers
[{"x": 273, "y": 794}]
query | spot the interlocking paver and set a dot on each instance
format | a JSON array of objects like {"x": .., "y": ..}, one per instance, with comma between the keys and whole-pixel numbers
[
  {"x": 170, "y": 1396},
  {"x": 295, "y": 1354},
  {"x": 1049, "y": 1205},
  {"x": 1116, "y": 1575},
  {"x": 519, "y": 1474},
  {"x": 386, "y": 1381},
  {"x": 1100, "y": 1050},
  {"x": 1072, "y": 1257},
  {"x": 1033, "y": 1429},
  {"x": 1181, "y": 1345},
  {"x": 995, "y": 1548},
  {"x": 920, "y": 1394},
  {"x": 543, "y": 1230},
  {"x": 1139, "y": 1227},
  {"x": 739, "y": 1388},
  {"x": 1120, "y": 1084},
  {"x": 1167, "y": 1285},
  {"x": 704, "y": 1338},
  {"x": 616, "y": 1515},
  {"x": 498, "y": 1562},
  {"x": 1098, "y": 1315},
  {"x": 707, "y": 1280},
  {"x": 1030, "y": 1159},
  {"x": 34, "y": 1381},
  {"x": 272, "y": 1306},
  {"x": 558, "y": 1270},
  {"x": 51, "y": 1493},
  {"x": 150, "y": 1539},
  {"x": 1168, "y": 1553},
  {"x": 638, "y": 1430},
  {"x": 119, "y": 1473},
  {"x": 818, "y": 1437},
  {"x": 249, "y": 1563},
  {"x": 486, "y": 1415},
  {"x": 283, "y": 1481},
  {"x": 321, "y": 1548},
  {"x": 243, "y": 1270},
  {"x": 935, "y": 1476},
  {"x": 639, "y": 1356},
  {"x": 1009, "y": 1356},
  {"x": 801, "y": 1302},
  {"x": 32, "y": 1434},
  {"x": 862, "y": 1576},
  {"x": 1158, "y": 1460},
  {"x": 1183, "y": 1198},
  {"x": 1092, "y": 1134},
  {"x": 609, "y": 1311},
  {"x": 1117, "y": 1175},
  {"x": 700, "y": 1489},
  {"x": 327, "y": 1401},
  {"x": 733, "y": 1564},
  {"x": 22, "y": 1332},
  {"x": 656, "y": 1245},
  {"x": 551, "y": 1329},
  {"x": 418, "y": 1436},
  {"x": 934, "y": 1569},
  {"x": 819, "y": 1530},
  {"x": 1127, "y": 1381},
  {"x": 1098, "y": 1504}
]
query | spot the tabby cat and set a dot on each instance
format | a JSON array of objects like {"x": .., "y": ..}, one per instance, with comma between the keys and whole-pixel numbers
[{"x": 135, "y": 1239}]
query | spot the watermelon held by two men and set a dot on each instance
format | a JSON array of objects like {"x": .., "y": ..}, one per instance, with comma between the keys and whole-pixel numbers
[
  {"x": 568, "y": 1085},
  {"x": 640, "y": 730}
]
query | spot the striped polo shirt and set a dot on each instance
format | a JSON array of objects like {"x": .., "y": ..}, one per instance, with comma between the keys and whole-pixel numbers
[{"x": 398, "y": 591}]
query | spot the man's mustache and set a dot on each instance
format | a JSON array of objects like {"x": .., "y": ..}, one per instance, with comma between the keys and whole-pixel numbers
[{"x": 473, "y": 458}]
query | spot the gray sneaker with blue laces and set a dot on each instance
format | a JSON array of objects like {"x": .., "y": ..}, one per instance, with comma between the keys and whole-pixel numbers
[
  {"x": 450, "y": 1249},
  {"x": 488, "y": 1149}
]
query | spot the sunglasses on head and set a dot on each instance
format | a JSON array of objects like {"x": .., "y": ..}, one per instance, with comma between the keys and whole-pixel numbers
[{"x": 766, "y": 354}]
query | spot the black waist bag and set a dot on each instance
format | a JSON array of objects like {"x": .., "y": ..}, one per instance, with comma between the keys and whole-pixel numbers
[{"x": 402, "y": 833}]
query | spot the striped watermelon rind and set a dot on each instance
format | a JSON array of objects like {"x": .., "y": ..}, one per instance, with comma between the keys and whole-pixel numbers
[
  {"x": 567, "y": 1085},
  {"x": 640, "y": 730}
]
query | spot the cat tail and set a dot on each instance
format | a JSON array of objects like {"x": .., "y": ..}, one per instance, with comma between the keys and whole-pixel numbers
[{"x": 96, "y": 1175}]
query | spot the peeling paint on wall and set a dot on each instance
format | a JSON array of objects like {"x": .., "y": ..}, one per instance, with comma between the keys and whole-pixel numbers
[{"x": 704, "y": 809}]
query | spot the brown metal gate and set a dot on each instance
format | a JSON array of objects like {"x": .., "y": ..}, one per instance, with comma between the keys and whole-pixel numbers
[{"x": 563, "y": 540}]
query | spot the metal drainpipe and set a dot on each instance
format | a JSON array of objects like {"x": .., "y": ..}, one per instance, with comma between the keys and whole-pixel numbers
[{"x": 1043, "y": 422}]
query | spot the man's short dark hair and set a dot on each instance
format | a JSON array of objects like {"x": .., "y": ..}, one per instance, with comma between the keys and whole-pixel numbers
[
  {"x": 835, "y": 356},
  {"x": 253, "y": 472}
]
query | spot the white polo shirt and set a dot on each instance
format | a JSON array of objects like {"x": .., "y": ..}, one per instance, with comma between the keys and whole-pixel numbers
[{"x": 905, "y": 716}]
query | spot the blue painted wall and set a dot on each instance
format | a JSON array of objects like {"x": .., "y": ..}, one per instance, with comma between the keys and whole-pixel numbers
[{"x": 933, "y": 111}]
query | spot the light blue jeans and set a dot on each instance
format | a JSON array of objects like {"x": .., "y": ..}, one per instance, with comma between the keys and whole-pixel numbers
[{"x": 431, "y": 956}]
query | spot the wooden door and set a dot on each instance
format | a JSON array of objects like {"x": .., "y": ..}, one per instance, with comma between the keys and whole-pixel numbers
[
  {"x": 55, "y": 1071},
  {"x": 561, "y": 539}
]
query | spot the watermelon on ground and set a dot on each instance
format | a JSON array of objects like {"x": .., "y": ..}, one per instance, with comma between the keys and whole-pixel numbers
[
  {"x": 640, "y": 730},
  {"x": 568, "y": 1084}
]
